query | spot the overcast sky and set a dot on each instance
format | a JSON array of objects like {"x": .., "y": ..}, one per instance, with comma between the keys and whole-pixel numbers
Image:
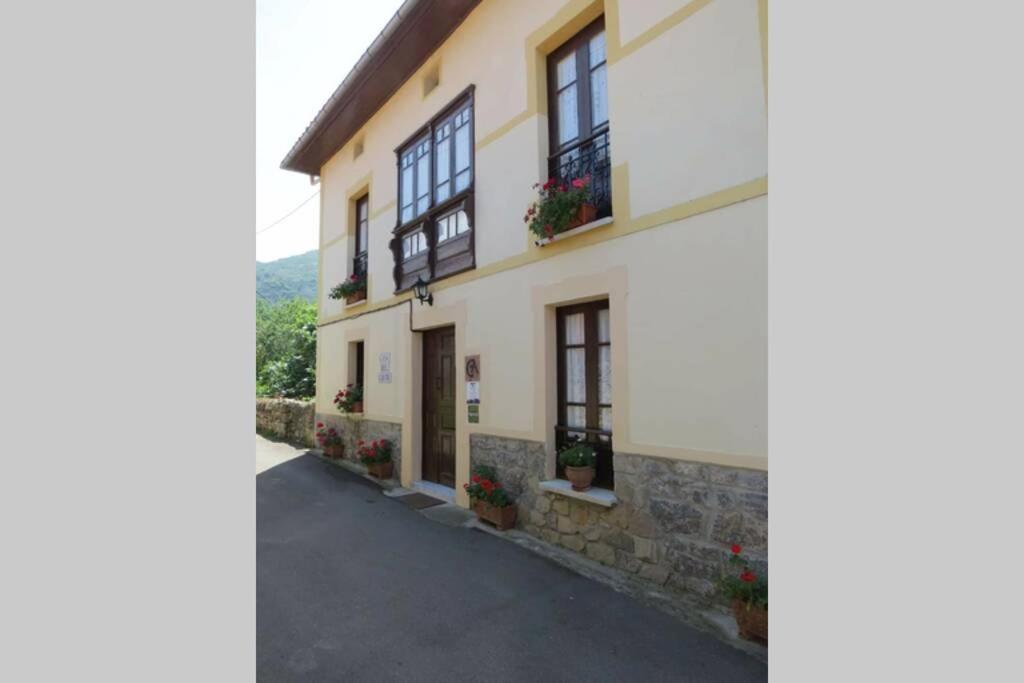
[{"x": 304, "y": 48}]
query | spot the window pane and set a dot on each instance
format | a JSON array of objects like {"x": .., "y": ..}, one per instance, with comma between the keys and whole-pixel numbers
[
  {"x": 575, "y": 376},
  {"x": 423, "y": 184},
  {"x": 444, "y": 190},
  {"x": 463, "y": 222},
  {"x": 576, "y": 416},
  {"x": 597, "y": 49},
  {"x": 444, "y": 229},
  {"x": 462, "y": 181},
  {"x": 568, "y": 123},
  {"x": 606, "y": 421},
  {"x": 361, "y": 239},
  {"x": 422, "y": 241},
  {"x": 567, "y": 71},
  {"x": 405, "y": 247},
  {"x": 604, "y": 334},
  {"x": 361, "y": 209},
  {"x": 599, "y": 95},
  {"x": 604, "y": 374},
  {"x": 406, "y": 193},
  {"x": 462, "y": 148},
  {"x": 574, "y": 328},
  {"x": 443, "y": 161}
]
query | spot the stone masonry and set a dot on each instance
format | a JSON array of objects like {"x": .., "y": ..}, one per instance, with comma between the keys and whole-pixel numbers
[
  {"x": 286, "y": 419},
  {"x": 673, "y": 524},
  {"x": 355, "y": 428}
]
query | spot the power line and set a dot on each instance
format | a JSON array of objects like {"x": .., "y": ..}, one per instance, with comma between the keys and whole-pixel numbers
[{"x": 307, "y": 200}]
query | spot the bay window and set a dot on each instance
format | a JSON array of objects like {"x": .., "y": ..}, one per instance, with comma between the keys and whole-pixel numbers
[{"x": 434, "y": 234}]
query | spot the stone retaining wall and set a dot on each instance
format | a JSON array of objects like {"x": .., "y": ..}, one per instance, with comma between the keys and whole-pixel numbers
[
  {"x": 353, "y": 429},
  {"x": 286, "y": 419},
  {"x": 673, "y": 525}
]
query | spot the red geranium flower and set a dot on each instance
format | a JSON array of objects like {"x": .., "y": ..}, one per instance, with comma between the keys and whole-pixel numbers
[
  {"x": 319, "y": 424},
  {"x": 735, "y": 549},
  {"x": 475, "y": 478},
  {"x": 747, "y": 576}
]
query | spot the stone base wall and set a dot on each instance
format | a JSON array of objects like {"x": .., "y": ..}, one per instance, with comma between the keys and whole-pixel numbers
[
  {"x": 673, "y": 525},
  {"x": 355, "y": 429},
  {"x": 286, "y": 419}
]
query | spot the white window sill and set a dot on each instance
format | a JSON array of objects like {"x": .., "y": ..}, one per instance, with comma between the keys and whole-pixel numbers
[
  {"x": 593, "y": 225},
  {"x": 561, "y": 487}
]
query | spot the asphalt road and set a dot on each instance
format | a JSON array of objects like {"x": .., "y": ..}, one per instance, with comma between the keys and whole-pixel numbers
[{"x": 354, "y": 586}]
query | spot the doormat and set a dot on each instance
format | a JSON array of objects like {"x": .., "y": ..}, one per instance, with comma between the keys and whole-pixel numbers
[{"x": 418, "y": 501}]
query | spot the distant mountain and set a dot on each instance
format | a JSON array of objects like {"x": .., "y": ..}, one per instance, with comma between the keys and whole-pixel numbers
[{"x": 287, "y": 278}]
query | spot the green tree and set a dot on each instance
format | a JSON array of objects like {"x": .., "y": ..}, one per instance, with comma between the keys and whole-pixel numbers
[{"x": 286, "y": 348}]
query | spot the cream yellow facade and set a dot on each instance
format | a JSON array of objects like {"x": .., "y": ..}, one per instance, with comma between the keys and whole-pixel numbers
[{"x": 682, "y": 261}]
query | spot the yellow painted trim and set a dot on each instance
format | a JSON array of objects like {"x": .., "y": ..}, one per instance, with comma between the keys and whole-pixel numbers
[
  {"x": 386, "y": 207},
  {"x": 352, "y": 309},
  {"x": 504, "y": 128},
  {"x": 762, "y": 25},
  {"x": 617, "y": 228},
  {"x": 370, "y": 308},
  {"x": 612, "y": 32},
  {"x": 671, "y": 21},
  {"x": 363, "y": 184},
  {"x": 710, "y": 202},
  {"x": 569, "y": 20},
  {"x": 333, "y": 242}
]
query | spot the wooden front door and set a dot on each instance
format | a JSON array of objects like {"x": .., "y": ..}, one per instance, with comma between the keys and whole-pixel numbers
[{"x": 439, "y": 406}]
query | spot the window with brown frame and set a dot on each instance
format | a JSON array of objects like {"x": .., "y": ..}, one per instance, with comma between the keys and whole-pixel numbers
[
  {"x": 579, "y": 134},
  {"x": 434, "y": 233},
  {"x": 360, "y": 360},
  {"x": 585, "y": 384},
  {"x": 362, "y": 235}
]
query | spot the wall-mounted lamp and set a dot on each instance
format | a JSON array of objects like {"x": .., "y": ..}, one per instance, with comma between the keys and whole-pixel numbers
[{"x": 420, "y": 289}]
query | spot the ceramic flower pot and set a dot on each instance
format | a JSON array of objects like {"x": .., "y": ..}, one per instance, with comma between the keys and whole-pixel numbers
[
  {"x": 751, "y": 620},
  {"x": 334, "y": 452},
  {"x": 579, "y": 477},
  {"x": 356, "y": 297},
  {"x": 587, "y": 213},
  {"x": 501, "y": 518},
  {"x": 381, "y": 470},
  {"x": 357, "y": 407}
]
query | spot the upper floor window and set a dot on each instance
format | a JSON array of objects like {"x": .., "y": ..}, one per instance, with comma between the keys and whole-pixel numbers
[
  {"x": 362, "y": 235},
  {"x": 578, "y": 113},
  {"x": 434, "y": 235}
]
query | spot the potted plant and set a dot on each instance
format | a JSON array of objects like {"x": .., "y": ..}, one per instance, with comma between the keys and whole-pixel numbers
[
  {"x": 351, "y": 290},
  {"x": 560, "y": 207},
  {"x": 330, "y": 441},
  {"x": 748, "y": 596},
  {"x": 578, "y": 459},
  {"x": 377, "y": 457},
  {"x": 490, "y": 501},
  {"x": 350, "y": 399}
]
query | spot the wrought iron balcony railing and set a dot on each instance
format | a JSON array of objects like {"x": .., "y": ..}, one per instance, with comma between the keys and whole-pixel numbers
[{"x": 592, "y": 157}]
